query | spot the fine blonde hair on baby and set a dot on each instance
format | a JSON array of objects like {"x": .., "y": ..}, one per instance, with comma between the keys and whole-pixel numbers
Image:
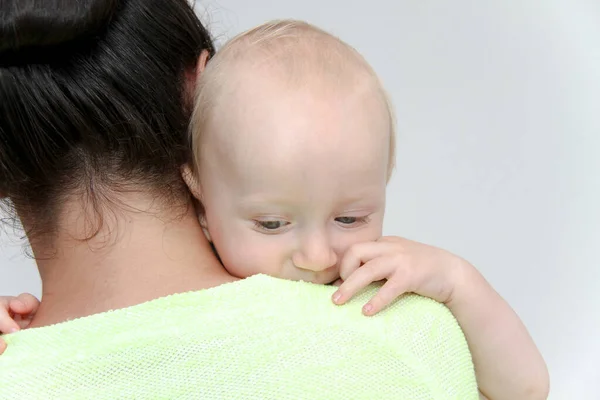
[{"x": 296, "y": 50}]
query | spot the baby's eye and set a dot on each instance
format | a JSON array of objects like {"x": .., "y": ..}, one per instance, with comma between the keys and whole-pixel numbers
[
  {"x": 352, "y": 221},
  {"x": 346, "y": 220},
  {"x": 271, "y": 225}
]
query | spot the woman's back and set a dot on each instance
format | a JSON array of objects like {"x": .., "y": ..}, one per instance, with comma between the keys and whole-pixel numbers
[{"x": 291, "y": 343}]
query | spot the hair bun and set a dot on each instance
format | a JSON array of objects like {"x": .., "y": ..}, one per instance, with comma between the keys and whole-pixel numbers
[{"x": 32, "y": 26}]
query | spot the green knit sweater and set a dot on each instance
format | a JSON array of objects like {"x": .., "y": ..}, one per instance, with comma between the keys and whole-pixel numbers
[{"x": 259, "y": 338}]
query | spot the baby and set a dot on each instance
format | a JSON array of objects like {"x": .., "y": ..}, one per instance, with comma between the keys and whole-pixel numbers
[{"x": 293, "y": 141}]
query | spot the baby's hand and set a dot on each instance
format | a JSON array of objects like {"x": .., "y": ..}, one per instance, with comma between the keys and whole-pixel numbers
[
  {"x": 406, "y": 265},
  {"x": 16, "y": 313},
  {"x": 508, "y": 365}
]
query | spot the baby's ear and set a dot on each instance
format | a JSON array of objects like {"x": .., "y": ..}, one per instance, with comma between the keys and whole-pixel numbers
[
  {"x": 191, "y": 181},
  {"x": 204, "y": 225},
  {"x": 202, "y": 61},
  {"x": 194, "y": 186}
]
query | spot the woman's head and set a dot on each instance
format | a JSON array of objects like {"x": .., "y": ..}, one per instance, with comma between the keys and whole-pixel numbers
[{"x": 93, "y": 102}]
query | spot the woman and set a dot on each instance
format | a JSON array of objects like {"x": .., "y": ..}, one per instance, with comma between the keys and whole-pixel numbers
[{"x": 94, "y": 102}]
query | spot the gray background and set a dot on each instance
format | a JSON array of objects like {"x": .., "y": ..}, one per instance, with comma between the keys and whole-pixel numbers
[{"x": 499, "y": 135}]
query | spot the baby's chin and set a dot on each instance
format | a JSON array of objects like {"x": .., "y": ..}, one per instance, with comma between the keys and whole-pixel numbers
[
  {"x": 319, "y": 278},
  {"x": 330, "y": 276}
]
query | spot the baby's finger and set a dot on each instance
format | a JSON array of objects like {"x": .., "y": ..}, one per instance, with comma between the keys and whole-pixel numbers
[
  {"x": 7, "y": 323},
  {"x": 389, "y": 292},
  {"x": 358, "y": 255},
  {"x": 25, "y": 303},
  {"x": 373, "y": 271},
  {"x": 2, "y": 345}
]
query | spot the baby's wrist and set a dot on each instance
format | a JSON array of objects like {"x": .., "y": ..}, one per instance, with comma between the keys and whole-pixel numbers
[{"x": 467, "y": 281}]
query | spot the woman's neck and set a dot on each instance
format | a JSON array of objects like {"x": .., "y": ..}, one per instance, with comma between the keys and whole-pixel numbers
[{"x": 143, "y": 256}]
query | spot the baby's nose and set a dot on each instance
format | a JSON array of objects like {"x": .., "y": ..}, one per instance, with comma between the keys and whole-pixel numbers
[{"x": 315, "y": 255}]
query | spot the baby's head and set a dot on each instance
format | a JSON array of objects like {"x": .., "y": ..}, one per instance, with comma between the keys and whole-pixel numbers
[{"x": 293, "y": 140}]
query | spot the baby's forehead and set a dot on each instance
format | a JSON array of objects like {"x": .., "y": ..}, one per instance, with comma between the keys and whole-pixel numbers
[
  {"x": 287, "y": 70},
  {"x": 300, "y": 131},
  {"x": 275, "y": 113},
  {"x": 307, "y": 66},
  {"x": 294, "y": 53}
]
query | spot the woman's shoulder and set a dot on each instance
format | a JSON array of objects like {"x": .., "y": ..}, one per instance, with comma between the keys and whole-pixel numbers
[
  {"x": 261, "y": 299},
  {"x": 408, "y": 310},
  {"x": 274, "y": 333},
  {"x": 411, "y": 325},
  {"x": 414, "y": 330},
  {"x": 275, "y": 296}
]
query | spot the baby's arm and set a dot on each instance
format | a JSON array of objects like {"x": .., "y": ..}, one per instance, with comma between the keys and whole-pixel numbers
[
  {"x": 16, "y": 314},
  {"x": 507, "y": 363}
]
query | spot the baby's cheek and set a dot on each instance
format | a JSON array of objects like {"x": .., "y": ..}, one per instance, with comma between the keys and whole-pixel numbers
[
  {"x": 239, "y": 260},
  {"x": 369, "y": 234},
  {"x": 245, "y": 257}
]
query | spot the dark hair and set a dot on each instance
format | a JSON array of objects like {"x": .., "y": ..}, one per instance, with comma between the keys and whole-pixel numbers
[{"x": 93, "y": 100}]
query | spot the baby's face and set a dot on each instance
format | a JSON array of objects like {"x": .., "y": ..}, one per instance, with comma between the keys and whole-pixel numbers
[{"x": 290, "y": 179}]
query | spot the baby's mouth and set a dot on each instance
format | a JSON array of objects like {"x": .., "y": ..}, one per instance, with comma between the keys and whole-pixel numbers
[{"x": 337, "y": 282}]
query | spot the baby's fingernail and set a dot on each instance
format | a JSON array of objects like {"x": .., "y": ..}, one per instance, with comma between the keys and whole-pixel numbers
[
  {"x": 337, "y": 297},
  {"x": 367, "y": 309},
  {"x": 13, "y": 330}
]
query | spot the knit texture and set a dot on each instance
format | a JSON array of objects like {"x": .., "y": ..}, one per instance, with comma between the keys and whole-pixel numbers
[{"x": 258, "y": 338}]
